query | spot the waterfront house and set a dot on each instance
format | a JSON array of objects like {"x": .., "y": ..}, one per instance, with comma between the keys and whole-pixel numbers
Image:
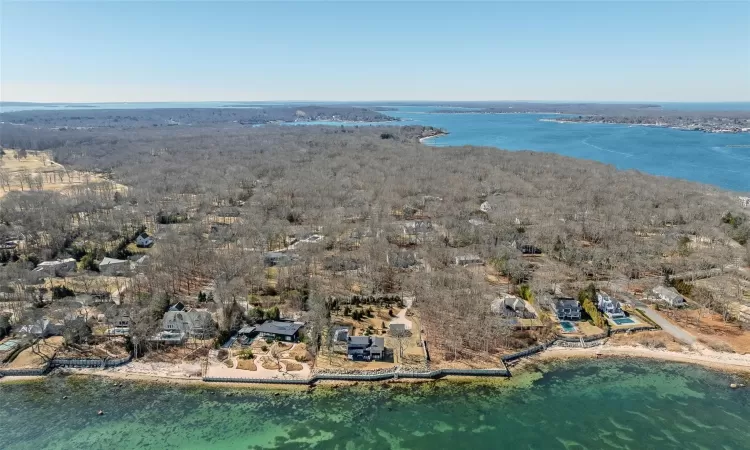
[
  {"x": 114, "y": 267},
  {"x": 55, "y": 268},
  {"x": 745, "y": 202},
  {"x": 566, "y": 308},
  {"x": 609, "y": 306},
  {"x": 365, "y": 348},
  {"x": 196, "y": 322},
  {"x": 279, "y": 330},
  {"x": 668, "y": 295},
  {"x": 144, "y": 240}
]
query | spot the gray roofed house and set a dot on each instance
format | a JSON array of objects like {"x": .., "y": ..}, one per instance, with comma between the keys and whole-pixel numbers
[
  {"x": 567, "y": 308},
  {"x": 114, "y": 267},
  {"x": 283, "y": 331},
  {"x": 669, "y": 295},
  {"x": 193, "y": 322},
  {"x": 365, "y": 348},
  {"x": 54, "y": 268}
]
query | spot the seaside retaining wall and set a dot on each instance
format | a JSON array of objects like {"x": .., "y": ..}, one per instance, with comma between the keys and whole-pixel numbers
[
  {"x": 89, "y": 363},
  {"x": 24, "y": 372},
  {"x": 432, "y": 375}
]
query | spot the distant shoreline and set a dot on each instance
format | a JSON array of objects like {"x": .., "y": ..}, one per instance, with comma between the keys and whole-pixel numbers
[
  {"x": 443, "y": 133},
  {"x": 653, "y": 125}
]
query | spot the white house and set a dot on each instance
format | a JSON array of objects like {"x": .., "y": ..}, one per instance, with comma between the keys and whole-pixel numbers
[
  {"x": 670, "y": 296},
  {"x": 609, "y": 306},
  {"x": 144, "y": 240},
  {"x": 54, "y": 268},
  {"x": 114, "y": 267},
  {"x": 745, "y": 202},
  {"x": 485, "y": 207}
]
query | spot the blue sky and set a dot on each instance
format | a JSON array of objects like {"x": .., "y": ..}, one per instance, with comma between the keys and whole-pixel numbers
[{"x": 195, "y": 51}]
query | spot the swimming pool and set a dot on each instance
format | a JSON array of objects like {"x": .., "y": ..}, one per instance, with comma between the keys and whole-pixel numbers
[
  {"x": 567, "y": 327},
  {"x": 625, "y": 321},
  {"x": 8, "y": 346}
]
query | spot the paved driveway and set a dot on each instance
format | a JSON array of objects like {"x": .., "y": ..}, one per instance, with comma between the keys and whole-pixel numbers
[{"x": 678, "y": 333}]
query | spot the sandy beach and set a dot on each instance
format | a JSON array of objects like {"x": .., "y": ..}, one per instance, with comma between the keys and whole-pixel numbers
[
  {"x": 716, "y": 360},
  {"x": 421, "y": 140}
]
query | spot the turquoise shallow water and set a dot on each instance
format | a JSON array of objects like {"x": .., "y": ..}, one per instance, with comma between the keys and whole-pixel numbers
[
  {"x": 719, "y": 159},
  {"x": 575, "y": 405}
]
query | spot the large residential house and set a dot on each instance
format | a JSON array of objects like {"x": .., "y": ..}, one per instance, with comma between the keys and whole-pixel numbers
[
  {"x": 114, "y": 267},
  {"x": 365, "y": 348},
  {"x": 144, "y": 240},
  {"x": 281, "y": 331},
  {"x": 567, "y": 308},
  {"x": 41, "y": 328},
  {"x": 609, "y": 306},
  {"x": 669, "y": 295},
  {"x": 194, "y": 322},
  {"x": 510, "y": 305},
  {"x": 55, "y": 268}
]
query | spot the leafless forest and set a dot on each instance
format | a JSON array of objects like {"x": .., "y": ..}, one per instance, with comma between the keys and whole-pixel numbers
[{"x": 393, "y": 214}]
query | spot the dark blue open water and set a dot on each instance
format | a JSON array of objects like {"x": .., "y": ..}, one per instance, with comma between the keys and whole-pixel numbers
[{"x": 719, "y": 159}]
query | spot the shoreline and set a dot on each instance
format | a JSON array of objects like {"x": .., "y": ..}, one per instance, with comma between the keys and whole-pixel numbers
[
  {"x": 652, "y": 125},
  {"x": 422, "y": 139},
  {"x": 724, "y": 362}
]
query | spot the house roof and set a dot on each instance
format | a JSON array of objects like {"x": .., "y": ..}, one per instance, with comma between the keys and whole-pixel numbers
[
  {"x": 246, "y": 330},
  {"x": 359, "y": 340},
  {"x": 56, "y": 262},
  {"x": 666, "y": 292},
  {"x": 377, "y": 343},
  {"x": 567, "y": 303},
  {"x": 107, "y": 261},
  {"x": 281, "y": 328},
  {"x": 144, "y": 235},
  {"x": 192, "y": 319}
]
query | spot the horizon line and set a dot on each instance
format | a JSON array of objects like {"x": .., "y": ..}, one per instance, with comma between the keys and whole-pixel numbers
[{"x": 368, "y": 101}]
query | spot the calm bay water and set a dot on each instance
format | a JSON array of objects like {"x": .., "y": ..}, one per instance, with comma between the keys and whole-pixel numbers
[
  {"x": 719, "y": 159},
  {"x": 574, "y": 405}
]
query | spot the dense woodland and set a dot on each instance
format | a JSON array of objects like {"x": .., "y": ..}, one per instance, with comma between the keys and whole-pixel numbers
[
  {"x": 136, "y": 118},
  {"x": 219, "y": 195}
]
